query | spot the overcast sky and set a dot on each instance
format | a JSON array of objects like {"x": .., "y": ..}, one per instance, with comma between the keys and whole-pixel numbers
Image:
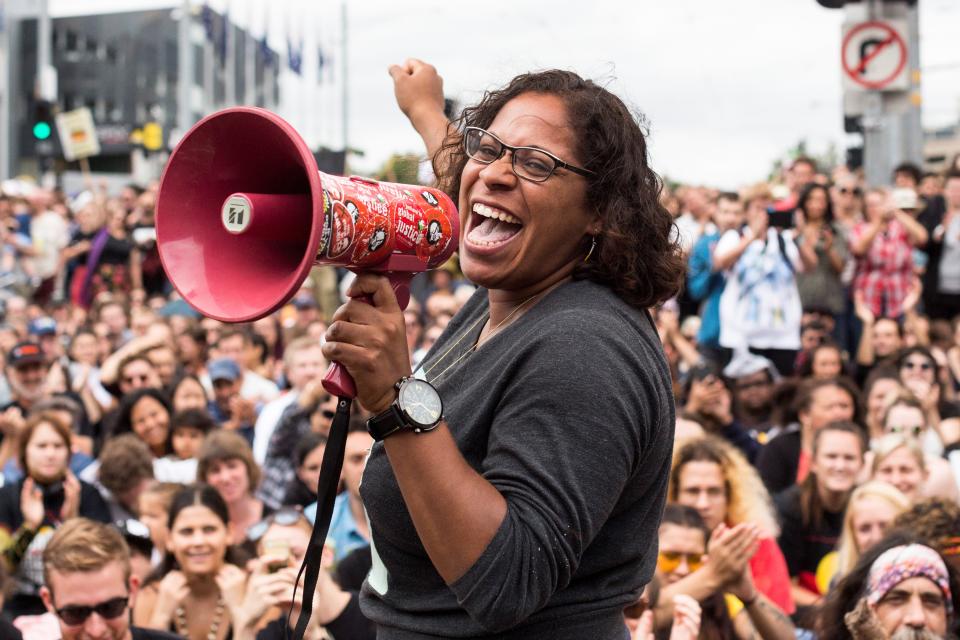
[{"x": 727, "y": 86}]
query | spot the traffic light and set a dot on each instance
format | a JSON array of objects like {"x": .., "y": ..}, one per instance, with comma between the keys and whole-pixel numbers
[
  {"x": 42, "y": 121},
  {"x": 854, "y": 158}
]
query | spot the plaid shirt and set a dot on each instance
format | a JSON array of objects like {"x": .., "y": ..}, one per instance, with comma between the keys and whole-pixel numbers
[
  {"x": 884, "y": 273},
  {"x": 278, "y": 466}
]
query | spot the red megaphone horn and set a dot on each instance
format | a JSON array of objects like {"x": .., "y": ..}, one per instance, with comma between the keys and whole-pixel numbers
[{"x": 243, "y": 214}]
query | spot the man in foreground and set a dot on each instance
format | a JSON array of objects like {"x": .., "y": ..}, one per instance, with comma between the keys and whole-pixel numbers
[{"x": 89, "y": 587}]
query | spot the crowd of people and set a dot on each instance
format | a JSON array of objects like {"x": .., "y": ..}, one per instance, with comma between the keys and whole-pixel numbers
[
  {"x": 816, "y": 364},
  {"x": 165, "y": 464}
]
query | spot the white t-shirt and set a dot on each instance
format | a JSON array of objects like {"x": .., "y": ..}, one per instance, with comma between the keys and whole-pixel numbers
[
  {"x": 50, "y": 234},
  {"x": 168, "y": 469},
  {"x": 267, "y": 423},
  {"x": 688, "y": 229},
  {"x": 760, "y": 305}
]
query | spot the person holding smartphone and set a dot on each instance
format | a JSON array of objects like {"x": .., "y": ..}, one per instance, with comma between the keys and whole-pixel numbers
[
  {"x": 883, "y": 246},
  {"x": 32, "y": 509},
  {"x": 282, "y": 541}
]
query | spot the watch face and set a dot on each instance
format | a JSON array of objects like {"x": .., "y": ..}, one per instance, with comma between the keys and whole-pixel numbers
[{"x": 420, "y": 402}]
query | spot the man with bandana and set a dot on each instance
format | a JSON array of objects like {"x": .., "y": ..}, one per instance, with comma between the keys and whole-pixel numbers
[{"x": 907, "y": 596}]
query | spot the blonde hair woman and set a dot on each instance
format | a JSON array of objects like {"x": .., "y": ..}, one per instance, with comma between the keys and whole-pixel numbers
[
  {"x": 871, "y": 511},
  {"x": 898, "y": 460}
]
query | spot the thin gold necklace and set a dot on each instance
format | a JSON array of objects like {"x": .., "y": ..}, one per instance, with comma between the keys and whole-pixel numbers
[{"x": 479, "y": 342}]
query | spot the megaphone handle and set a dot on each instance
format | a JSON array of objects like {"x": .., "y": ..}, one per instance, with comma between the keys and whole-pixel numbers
[{"x": 337, "y": 381}]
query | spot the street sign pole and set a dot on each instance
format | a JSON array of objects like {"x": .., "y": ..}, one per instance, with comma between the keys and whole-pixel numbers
[{"x": 881, "y": 62}]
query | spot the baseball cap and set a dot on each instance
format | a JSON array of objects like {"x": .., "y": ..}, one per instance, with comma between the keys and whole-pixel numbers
[
  {"x": 304, "y": 301},
  {"x": 745, "y": 363},
  {"x": 178, "y": 307},
  {"x": 25, "y": 353},
  {"x": 223, "y": 369},
  {"x": 44, "y": 326}
]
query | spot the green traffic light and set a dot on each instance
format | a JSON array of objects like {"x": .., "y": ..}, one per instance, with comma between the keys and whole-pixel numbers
[{"x": 42, "y": 130}]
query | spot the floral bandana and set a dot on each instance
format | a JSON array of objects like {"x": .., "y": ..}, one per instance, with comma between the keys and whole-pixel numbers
[{"x": 902, "y": 563}]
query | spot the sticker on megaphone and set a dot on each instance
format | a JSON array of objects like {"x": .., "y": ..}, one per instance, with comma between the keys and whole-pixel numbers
[{"x": 368, "y": 221}]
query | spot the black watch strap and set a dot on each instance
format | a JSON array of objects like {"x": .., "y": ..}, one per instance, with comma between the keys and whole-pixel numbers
[{"x": 386, "y": 423}]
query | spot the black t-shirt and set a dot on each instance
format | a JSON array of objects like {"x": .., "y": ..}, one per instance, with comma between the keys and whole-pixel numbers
[
  {"x": 92, "y": 505},
  {"x": 349, "y": 625},
  {"x": 805, "y": 546},
  {"x": 779, "y": 461},
  {"x": 116, "y": 251}
]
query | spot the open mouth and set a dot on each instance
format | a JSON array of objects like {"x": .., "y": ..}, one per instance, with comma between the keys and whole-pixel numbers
[{"x": 490, "y": 227}]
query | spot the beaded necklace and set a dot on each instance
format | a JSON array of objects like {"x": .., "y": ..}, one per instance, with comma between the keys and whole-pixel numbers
[{"x": 181, "y": 620}]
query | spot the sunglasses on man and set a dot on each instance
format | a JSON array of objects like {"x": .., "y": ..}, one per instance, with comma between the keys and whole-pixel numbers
[
  {"x": 670, "y": 561},
  {"x": 75, "y": 615}
]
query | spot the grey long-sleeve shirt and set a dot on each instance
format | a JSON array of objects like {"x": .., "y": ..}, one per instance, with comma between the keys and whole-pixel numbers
[{"x": 568, "y": 412}]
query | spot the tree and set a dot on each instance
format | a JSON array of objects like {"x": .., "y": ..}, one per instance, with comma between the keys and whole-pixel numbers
[{"x": 402, "y": 168}]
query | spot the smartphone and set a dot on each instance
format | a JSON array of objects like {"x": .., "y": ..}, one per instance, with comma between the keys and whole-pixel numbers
[
  {"x": 780, "y": 219},
  {"x": 703, "y": 370},
  {"x": 276, "y": 555}
]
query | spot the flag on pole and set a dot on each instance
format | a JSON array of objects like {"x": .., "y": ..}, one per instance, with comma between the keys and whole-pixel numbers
[
  {"x": 264, "y": 50},
  {"x": 295, "y": 55},
  {"x": 221, "y": 43},
  {"x": 208, "y": 18}
]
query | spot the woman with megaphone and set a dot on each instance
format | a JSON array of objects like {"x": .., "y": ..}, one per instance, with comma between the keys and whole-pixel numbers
[{"x": 519, "y": 473}]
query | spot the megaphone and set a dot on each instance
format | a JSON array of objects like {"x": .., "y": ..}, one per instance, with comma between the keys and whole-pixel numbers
[{"x": 243, "y": 214}]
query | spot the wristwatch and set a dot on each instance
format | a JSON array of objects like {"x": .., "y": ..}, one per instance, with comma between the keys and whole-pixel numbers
[{"x": 418, "y": 407}]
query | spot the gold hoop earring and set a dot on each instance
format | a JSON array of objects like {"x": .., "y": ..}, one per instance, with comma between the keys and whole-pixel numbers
[{"x": 593, "y": 245}]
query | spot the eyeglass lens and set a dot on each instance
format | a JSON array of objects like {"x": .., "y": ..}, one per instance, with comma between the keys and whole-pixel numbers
[
  {"x": 76, "y": 615},
  {"x": 527, "y": 163},
  {"x": 670, "y": 561}
]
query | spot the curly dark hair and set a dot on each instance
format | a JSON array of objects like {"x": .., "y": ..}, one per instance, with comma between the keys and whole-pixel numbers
[
  {"x": 124, "y": 416},
  {"x": 637, "y": 253},
  {"x": 844, "y": 597},
  {"x": 933, "y": 519}
]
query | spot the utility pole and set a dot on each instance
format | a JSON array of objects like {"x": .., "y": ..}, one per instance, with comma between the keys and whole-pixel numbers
[{"x": 45, "y": 87}]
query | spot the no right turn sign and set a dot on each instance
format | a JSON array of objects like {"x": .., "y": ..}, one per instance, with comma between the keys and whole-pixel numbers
[{"x": 875, "y": 56}]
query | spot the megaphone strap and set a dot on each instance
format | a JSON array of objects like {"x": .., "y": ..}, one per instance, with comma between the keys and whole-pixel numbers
[{"x": 326, "y": 496}]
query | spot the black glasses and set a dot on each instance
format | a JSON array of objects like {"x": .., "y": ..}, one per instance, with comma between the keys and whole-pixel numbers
[
  {"x": 529, "y": 163},
  {"x": 75, "y": 615},
  {"x": 855, "y": 191}
]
